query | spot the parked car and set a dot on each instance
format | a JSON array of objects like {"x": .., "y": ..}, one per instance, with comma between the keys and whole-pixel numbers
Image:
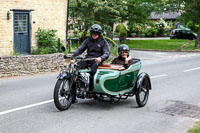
[{"x": 182, "y": 34}]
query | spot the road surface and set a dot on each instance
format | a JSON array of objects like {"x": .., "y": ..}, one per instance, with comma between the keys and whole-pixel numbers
[{"x": 26, "y": 104}]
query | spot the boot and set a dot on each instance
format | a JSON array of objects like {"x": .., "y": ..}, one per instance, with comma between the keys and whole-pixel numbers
[{"x": 91, "y": 86}]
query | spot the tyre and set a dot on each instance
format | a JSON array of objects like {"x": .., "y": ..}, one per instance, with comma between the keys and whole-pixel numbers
[
  {"x": 63, "y": 95},
  {"x": 143, "y": 92}
]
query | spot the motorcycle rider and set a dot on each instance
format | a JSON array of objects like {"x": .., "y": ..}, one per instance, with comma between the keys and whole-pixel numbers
[
  {"x": 97, "y": 47},
  {"x": 123, "y": 56}
]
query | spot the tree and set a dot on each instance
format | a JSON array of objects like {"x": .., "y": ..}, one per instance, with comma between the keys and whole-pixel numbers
[
  {"x": 106, "y": 13},
  {"x": 139, "y": 11},
  {"x": 88, "y": 12},
  {"x": 109, "y": 12},
  {"x": 189, "y": 12},
  {"x": 81, "y": 12}
]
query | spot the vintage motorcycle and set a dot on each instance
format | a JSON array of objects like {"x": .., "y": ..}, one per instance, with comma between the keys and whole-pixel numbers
[{"x": 111, "y": 83}]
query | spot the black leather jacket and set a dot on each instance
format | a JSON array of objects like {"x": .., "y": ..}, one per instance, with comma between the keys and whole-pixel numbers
[{"x": 95, "y": 48}]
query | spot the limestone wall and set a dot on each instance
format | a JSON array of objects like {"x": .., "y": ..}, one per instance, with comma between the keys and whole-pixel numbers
[{"x": 30, "y": 64}]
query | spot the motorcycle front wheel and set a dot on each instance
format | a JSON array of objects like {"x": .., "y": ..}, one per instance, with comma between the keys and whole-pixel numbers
[{"x": 63, "y": 94}]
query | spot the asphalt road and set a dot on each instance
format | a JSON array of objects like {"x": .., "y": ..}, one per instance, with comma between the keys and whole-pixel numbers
[{"x": 26, "y": 104}]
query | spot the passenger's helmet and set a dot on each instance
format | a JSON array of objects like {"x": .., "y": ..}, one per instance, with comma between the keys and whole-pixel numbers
[
  {"x": 123, "y": 47},
  {"x": 95, "y": 29}
]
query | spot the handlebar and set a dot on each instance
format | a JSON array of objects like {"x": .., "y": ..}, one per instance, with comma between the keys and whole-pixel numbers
[
  {"x": 78, "y": 58},
  {"x": 67, "y": 57}
]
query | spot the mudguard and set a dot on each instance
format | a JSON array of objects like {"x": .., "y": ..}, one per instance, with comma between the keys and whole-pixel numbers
[
  {"x": 139, "y": 80},
  {"x": 63, "y": 75}
]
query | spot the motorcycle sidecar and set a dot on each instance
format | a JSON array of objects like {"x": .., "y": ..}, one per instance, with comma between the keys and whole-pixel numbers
[{"x": 115, "y": 79}]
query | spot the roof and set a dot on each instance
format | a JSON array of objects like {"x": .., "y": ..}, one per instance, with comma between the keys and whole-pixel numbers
[{"x": 165, "y": 15}]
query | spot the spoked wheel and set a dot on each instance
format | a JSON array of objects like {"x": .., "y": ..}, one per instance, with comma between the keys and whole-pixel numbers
[
  {"x": 143, "y": 92},
  {"x": 63, "y": 95}
]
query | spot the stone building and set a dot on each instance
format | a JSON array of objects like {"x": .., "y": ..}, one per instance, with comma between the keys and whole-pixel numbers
[{"x": 20, "y": 19}]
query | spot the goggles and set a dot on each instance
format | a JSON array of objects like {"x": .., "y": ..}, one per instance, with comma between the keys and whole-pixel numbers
[
  {"x": 124, "y": 52},
  {"x": 94, "y": 33}
]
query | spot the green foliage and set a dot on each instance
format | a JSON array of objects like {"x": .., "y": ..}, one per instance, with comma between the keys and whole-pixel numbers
[
  {"x": 195, "y": 129},
  {"x": 43, "y": 50},
  {"x": 46, "y": 38},
  {"x": 114, "y": 50},
  {"x": 110, "y": 41},
  {"x": 87, "y": 12},
  {"x": 151, "y": 29},
  {"x": 161, "y": 25},
  {"x": 151, "y": 32},
  {"x": 73, "y": 48},
  {"x": 139, "y": 10},
  {"x": 191, "y": 47},
  {"x": 121, "y": 29},
  {"x": 106, "y": 13},
  {"x": 194, "y": 27},
  {"x": 47, "y": 42},
  {"x": 189, "y": 12},
  {"x": 189, "y": 9},
  {"x": 115, "y": 34}
]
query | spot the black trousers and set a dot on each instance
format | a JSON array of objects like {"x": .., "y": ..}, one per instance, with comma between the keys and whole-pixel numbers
[{"x": 93, "y": 65}]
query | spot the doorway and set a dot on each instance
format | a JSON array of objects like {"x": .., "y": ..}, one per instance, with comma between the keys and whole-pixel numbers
[{"x": 22, "y": 32}]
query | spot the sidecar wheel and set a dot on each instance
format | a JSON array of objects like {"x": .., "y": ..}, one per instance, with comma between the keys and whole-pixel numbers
[
  {"x": 62, "y": 95},
  {"x": 143, "y": 92}
]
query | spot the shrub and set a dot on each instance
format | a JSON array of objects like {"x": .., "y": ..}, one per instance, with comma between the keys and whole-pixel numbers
[
  {"x": 47, "y": 42},
  {"x": 46, "y": 38},
  {"x": 121, "y": 29},
  {"x": 151, "y": 32}
]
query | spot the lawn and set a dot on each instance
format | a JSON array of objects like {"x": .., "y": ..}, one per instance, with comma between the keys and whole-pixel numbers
[
  {"x": 191, "y": 47},
  {"x": 157, "y": 44},
  {"x": 160, "y": 45}
]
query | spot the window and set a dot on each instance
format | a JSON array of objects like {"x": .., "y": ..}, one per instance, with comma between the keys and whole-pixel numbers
[{"x": 20, "y": 21}]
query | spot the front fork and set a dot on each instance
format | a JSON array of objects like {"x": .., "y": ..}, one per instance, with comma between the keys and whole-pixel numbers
[{"x": 64, "y": 75}]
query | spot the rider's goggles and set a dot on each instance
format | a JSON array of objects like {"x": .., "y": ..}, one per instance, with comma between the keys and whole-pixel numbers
[
  {"x": 124, "y": 52},
  {"x": 94, "y": 33}
]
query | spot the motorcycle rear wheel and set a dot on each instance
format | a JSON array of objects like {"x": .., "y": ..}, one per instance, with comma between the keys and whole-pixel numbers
[{"x": 63, "y": 95}]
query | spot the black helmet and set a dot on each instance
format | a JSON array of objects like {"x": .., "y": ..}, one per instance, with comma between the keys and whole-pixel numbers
[
  {"x": 95, "y": 29},
  {"x": 123, "y": 47}
]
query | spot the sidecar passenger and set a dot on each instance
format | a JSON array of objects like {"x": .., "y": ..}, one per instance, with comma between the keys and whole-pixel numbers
[{"x": 124, "y": 58}]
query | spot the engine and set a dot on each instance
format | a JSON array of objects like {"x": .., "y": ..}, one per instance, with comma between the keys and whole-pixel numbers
[{"x": 83, "y": 85}]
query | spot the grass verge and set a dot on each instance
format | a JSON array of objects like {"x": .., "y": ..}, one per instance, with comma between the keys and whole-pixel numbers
[
  {"x": 195, "y": 129},
  {"x": 160, "y": 45},
  {"x": 191, "y": 47}
]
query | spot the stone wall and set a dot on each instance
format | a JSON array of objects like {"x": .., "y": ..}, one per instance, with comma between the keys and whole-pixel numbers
[
  {"x": 45, "y": 14},
  {"x": 30, "y": 64}
]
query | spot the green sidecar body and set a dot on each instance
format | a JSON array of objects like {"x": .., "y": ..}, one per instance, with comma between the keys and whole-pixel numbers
[{"x": 115, "y": 79}]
